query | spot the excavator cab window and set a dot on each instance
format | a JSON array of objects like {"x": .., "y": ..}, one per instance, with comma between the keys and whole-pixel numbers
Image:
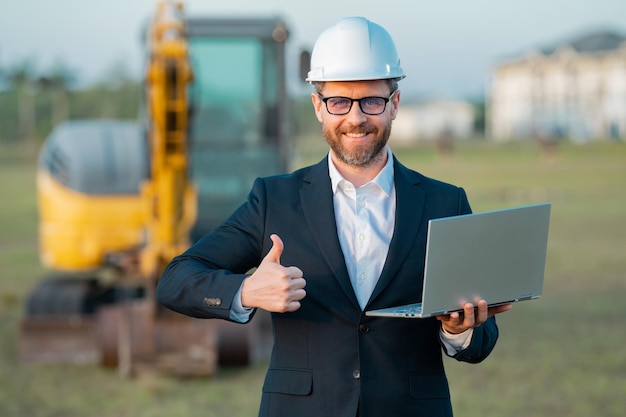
[
  {"x": 237, "y": 113},
  {"x": 227, "y": 94}
]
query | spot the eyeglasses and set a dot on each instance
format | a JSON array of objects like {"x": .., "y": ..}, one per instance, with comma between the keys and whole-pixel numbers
[{"x": 368, "y": 105}]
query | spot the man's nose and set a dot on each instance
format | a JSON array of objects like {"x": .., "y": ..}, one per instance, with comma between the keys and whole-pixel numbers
[{"x": 356, "y": 115}]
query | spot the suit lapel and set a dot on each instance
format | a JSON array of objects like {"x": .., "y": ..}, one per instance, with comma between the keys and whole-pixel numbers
[
  {"x": 409, "y": 209},
  {"x": 317, "y": 204}
]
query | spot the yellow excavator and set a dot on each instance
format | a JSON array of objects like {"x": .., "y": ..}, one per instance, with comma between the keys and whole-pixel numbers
[{"x": 118, "y": 199}]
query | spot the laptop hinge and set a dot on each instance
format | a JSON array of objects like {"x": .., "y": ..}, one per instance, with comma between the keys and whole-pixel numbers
[{"x": 527, "y": 297}]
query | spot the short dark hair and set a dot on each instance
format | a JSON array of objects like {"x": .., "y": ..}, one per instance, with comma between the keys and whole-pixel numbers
[{"x": 391, "y": 82}]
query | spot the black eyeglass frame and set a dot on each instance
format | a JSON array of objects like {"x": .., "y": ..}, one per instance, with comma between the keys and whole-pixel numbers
[{"x": 352, "y": 100}]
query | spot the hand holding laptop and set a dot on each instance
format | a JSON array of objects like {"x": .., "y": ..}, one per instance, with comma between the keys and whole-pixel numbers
[
  {"x": 498, "y": 256},
  {"x": 458, "y": 322}
]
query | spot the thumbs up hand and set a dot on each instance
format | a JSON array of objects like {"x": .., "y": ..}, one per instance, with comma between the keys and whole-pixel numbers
[{"x": 274, "y": 287}]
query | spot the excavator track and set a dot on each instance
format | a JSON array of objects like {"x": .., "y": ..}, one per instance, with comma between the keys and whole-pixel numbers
[{"x": 60, "y": 323}]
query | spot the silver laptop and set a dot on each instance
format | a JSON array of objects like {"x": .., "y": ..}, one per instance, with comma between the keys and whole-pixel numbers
[{"x": 497, "y": 256}]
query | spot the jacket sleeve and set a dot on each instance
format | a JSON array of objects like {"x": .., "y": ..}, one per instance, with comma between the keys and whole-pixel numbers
[
  {"x": 482, "y": 343},
  {"x": 203, "y": 281}
]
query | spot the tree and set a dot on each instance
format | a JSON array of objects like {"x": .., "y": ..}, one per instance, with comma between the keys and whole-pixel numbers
[
  {"x": 57, "y": 85},
  {"x": 21, "y": 79}
]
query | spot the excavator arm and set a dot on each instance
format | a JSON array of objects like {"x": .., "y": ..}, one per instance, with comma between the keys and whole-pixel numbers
[{"x": 169, "y": 197}]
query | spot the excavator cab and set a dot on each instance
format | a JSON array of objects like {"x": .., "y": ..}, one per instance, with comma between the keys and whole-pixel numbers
[{"x": 238, "y": 117}]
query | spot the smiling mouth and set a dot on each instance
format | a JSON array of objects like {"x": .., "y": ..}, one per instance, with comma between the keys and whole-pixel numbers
[{"x": 355, "y": 135}]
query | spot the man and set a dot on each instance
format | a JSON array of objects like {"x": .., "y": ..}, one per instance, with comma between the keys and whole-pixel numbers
[{"x": 334, "y": 240}]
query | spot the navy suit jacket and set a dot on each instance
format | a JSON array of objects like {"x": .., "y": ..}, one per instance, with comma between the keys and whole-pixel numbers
[{"x": 329, "y": 358}]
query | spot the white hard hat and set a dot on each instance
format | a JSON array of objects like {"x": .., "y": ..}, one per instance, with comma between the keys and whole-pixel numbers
[{"x": 354, "y": 49}]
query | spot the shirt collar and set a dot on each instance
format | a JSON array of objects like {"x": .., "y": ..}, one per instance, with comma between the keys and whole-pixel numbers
[{"x": 384, "y": 179}]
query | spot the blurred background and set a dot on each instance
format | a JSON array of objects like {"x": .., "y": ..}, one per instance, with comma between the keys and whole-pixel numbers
[
  {"x": 518, "y": 102},
  {"x": 454, "y": 53}
]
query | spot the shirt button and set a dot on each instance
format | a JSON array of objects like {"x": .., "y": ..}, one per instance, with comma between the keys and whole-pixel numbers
[
  {"x": 362, "y": 236},
  {"x": 356, "y": 374},
  {"x": 363, "y": 276}
]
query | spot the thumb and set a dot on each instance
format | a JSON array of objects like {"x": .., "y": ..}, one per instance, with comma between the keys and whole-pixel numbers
[{"x": 277, "y": 249}]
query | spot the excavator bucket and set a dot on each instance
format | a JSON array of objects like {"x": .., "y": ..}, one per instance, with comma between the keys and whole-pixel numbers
[{"x": 136, "y": 339}]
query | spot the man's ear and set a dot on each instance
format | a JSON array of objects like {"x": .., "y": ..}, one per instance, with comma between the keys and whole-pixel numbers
[
  {"x": 317, "y": 105},
  {"x": 395, "y": 104}
]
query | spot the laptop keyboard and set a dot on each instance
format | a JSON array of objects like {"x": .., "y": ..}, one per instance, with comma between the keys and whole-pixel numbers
[{"x": 410, "y": 311}]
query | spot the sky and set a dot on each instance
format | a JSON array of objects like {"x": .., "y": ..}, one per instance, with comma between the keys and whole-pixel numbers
[{"x": 447, "y": 47}]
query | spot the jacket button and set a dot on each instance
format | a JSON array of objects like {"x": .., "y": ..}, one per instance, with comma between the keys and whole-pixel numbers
[
  {"x": 356, "y": 374},
  {"x": 363, "y": 328},
  {"x": 213, "y": 302}
]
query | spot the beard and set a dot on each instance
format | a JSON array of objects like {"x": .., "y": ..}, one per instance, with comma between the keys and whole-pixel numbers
[{"x": 360, "y": 155}]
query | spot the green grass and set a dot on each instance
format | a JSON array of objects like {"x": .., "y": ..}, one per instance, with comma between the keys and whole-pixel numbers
[{"x": 562, "y": 355}]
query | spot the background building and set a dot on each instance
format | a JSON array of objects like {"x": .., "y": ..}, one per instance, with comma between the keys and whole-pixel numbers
[
  {"x": 435, "y": 119},
  {"x": 575, "y": 90}
]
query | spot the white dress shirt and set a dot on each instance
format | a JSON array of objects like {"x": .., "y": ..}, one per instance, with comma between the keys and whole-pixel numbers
[{"x": 365, "y": 218}]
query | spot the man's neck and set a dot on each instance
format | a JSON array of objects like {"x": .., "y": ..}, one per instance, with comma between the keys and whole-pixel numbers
[{"x": 360, "y": 175}]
